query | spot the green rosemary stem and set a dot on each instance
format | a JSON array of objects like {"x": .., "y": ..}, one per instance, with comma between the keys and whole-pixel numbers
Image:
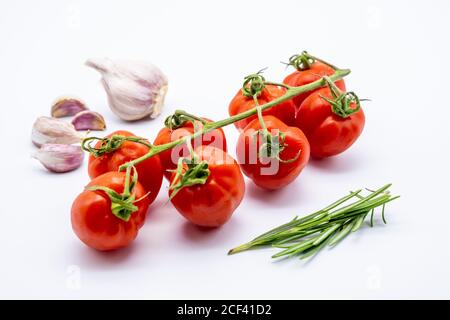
[
  {"x": 306, "y": 236},
  {"x": 296, "y": 221}
]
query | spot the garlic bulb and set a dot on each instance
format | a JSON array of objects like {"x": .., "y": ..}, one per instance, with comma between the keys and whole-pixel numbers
[
  {"x": 53, "y": 130},
  {"x": 135, "y": 89},
  {"x": 60, "y": 157}
]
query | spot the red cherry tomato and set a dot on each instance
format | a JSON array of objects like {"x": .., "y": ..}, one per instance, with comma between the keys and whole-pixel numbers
[
  {"x": 95, "y": 224},
  {"x": 169, "y": 158},
  {"x": 149, "y": 171},
  {"x": 270, "y": 173},
  {"x": 285, "y": 111},
  {"x": 212, "y": 204},
  {"x": 315, "y": 72},
  {"x": 328, "y": 133}
]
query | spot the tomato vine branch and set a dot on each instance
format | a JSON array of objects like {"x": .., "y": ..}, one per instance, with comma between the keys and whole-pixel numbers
[{"x": 210, "y": 126}]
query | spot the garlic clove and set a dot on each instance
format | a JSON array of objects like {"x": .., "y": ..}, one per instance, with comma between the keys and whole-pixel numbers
[
  {"x": 53, "y": 130},
  {"x": 89, "y": 120},
  {"x": 60, "y": 157},
  {"x": 65, "y": 107},
  {"x": 135, "y": 89}
]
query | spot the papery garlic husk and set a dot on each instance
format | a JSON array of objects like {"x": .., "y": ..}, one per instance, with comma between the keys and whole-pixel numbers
[
  {"x": 66, "y": 107},
  {"x": 53, "y": 130},
  {"x": 89, "y": 120},
  {"x": 135, "y": 89},
  {"x": 60, "y": 157}
]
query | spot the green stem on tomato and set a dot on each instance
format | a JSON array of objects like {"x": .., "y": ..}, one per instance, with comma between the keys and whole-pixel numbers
[
  {"x": 195, "y": 171},
  {"x": 270, "y": 83},
  {"x": 190, "y": 116},
  {"x": 126, "y": 188},
  {"x": 180, "y": 117},
  {"x": 210, "y": 126},
  {"x": 110, "y": 144},
  {"x": 320, "y": 60},
  {"x": 122, "y": 204},
  {"x": 341, "y": 103},
  {"x": 291, "y": 93},
  {"x": 335, "y": 91},
  {"x": 304, "y": 60},
  {"x": 260, "y": 115}
]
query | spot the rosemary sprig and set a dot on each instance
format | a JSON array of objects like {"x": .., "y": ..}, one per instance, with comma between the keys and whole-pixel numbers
[{"x": 304, "y": 237}]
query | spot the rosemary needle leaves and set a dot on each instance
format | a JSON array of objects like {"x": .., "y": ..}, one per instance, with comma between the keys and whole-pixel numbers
[{"x": 304, "y": 237}]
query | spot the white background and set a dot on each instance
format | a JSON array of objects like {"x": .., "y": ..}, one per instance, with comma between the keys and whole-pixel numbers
[{"x": 398, "y": 52}]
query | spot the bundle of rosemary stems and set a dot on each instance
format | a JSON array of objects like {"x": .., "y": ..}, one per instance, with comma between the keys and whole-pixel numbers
[{"x": 304, "y": 237}]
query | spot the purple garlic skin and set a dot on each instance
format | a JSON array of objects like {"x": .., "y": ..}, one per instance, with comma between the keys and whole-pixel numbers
[
  {"x": 89, "y": 120},
  {"x": 53, "y": 130},
  {"x": 60, "y": 158},
  {"x": 66, "y": 107},
  {"x": 135, "y": 89}
]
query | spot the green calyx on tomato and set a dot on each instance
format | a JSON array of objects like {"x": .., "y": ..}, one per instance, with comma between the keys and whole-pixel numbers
[
  {"x": 189, "y": 172},
  {"x": 109, "y": 144},
  {"x": 256, "y": 90},
  {"x": 304, "y": 61},
  {"x": 196, "y": 173},
  {"x": 212, "y": 203},
  {"x": 122, "y": 205},
  {"x": 119, "y": 148},
  {"x": 342, "y": 104},
  {"x": 301, "y": 61},
  {"x": 273, "y": 145},
  {"x": 253, "y": 84},
  {"x": 273, "y": 174},
  {"x": 179, "y": 119},
  {"x": 169, "y": 158},
  {"x": 92, "y": 218}
]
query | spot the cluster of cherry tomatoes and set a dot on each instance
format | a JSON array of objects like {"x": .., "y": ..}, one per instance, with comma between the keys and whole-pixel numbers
[{"x": 109, "y": 213}]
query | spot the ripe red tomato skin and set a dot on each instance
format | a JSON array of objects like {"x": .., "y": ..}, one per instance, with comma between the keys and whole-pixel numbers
[
  {"x": 287, "y": 172},
  {"x": 215, "y": 138},
  {"x": 302, "y": 77},
  {"x": 213, "y": 203},
  {"x": 93, "y": 222},
  {"x": 149, "y": 171},
  {"x": 328, "y": 133},
  {"x": 284, "y": 111}
]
